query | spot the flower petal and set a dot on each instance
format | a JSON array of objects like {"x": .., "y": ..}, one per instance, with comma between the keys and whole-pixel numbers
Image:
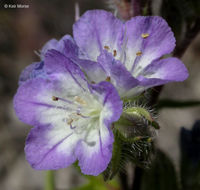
[
  {"x": 34, "y": 105},
  {"x": 119, "y": 76},
  {"x": 97, "y": 29},
  {"x": 60, "y": 67},
  {"x": 163, "y": 71},
  {"x": 149, "y": 38},
  {"x": 50, "y": 148},
  {"x": 93, "y": 71},
  {"x": 95, "y": 152},
  {"x": 60, "y": 46},
  {"x": 32, "y": 71},
  {"x": 108, "y": 95},
  {"x": 95, "y": 155}
]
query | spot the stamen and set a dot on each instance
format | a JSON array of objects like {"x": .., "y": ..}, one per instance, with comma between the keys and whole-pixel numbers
[
  {"x": 54, "y": 98},
  {"x": 93, "y": 82},
  {"x": 106, "y": 47},
  {"x": 79, "y": 100},
  {"x": 139, "y": 53},
  {"x": 145, "y": 35},
  {"x": 79, "y": 114},
  {"x": 71, "y": 127},
  {"x": 108, "y": 79},
  {"x": 114, "y": 52},
  {"x": 70, "y": 121}
]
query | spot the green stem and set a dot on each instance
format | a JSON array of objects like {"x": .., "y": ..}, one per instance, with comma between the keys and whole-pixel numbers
[{"x": 49, "y": 180}]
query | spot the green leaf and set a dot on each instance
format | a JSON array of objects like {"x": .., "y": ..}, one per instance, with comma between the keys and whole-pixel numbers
[{"x": 161, "y": 176}]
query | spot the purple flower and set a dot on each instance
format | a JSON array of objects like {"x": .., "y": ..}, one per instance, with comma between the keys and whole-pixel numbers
[
  {"x": 129, "y": 54},
  {"x": 71, "y": 118}
]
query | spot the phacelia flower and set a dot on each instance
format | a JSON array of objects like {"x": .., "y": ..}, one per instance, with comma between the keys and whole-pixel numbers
[
  {"x": 129, "y": 54},
  {"x": 71, "y": 118}
]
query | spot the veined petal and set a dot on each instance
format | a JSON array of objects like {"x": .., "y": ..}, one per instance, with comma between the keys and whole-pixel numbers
[
  {"x": 118, "y": 75},
  {"x": 59, "y": 45},
  {"x": 110, "y": 99},
  {"x": 95, "y": 155},
  {"x": 94, "y": 72},
  {"x": 149, "y": 38},
  {"x": 60, "y": 67},
  {"x": 50, "y": 148},
  {"x": 32, "y": 71},
  {"x": 163, "y": 71},
  {"x": 95, "y": 151},
  {"x": 34, "y": 102},
  {"x": 96, "y": 30}
]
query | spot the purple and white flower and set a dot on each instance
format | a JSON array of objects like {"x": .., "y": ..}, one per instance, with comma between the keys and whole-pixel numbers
[
  {"x": 71, "y": 118},
  {"x": 129, "y": 54},
  {"x": 72, "y": 96}
]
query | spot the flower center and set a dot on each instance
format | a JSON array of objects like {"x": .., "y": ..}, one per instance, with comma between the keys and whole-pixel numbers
[{"x": 80, "y": 110}]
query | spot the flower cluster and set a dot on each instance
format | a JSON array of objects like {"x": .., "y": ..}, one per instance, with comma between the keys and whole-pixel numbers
[{"x": 74, "y": 94}]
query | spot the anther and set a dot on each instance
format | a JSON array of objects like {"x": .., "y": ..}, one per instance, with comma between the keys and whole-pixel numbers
[
  {"x": 70, "y": 121},
  {"x": 93, "y": 82},
  {"x": 145, "y": 35},
  {"x": 139, "y": 53},
  {"x": 108, "y": 79},
  {"x": 106, "y": 47},
  {"x": 115, "y": 53},
  {"x": 79, "y": 100},
  {"x": 54, "y": 98}
]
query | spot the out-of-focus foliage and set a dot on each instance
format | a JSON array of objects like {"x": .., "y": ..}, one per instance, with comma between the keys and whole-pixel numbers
[
  {"x": 180, "y": 14},
  {"x": 161, "y": 176},
  {"x": 97, "y": 183},
  {"x": 190, "y": 157}
]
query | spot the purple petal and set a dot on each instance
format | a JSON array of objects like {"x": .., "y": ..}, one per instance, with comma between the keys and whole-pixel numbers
[
  {"x": 120, "y": 77},
  {"x": 97, "y": 29},
  {"x": 33, "y": 99},
  {"x": 163, "y": 71},
  {"x": 65, "y": 45},
  {"x": 32, "y": 71},
  {"x": 159, "y": 40},
  {"x": 49, "y": 148},
  {"x": 57, "y": 65},
  {"x": 34, "y": 102},
  {"x": 109, "y": 97},
  {"x": 94, "y": 71},
  {"x": 51, "y": 44},
  {"x": 94, "y": 153}
]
